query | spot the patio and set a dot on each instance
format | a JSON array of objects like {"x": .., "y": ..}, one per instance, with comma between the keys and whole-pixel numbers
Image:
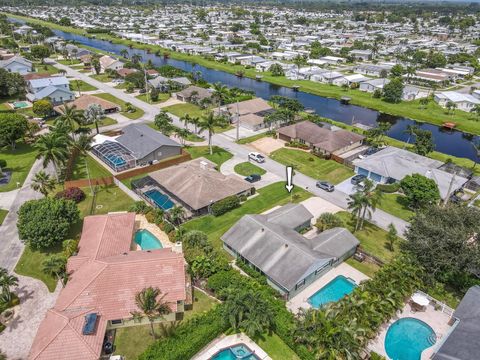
[
  {"x": 224, "y": 342},
  {"x": 141, "y": 222},
  {"x": 301, "y": 299},
  {"x": 438, "y": 320}
]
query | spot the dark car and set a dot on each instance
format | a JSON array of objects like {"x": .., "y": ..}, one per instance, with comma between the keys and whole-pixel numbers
[
  {"x": 325, "y": 185},
  {"x": 253, "y": 178},
  {"x": 357, "y": 179}
]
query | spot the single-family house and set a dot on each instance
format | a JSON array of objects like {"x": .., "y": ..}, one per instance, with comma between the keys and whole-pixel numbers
[
  {"x": 55, "y": 88},
  {"x": 462, "y": 342},
  {"x": 108, "y": 62},
  {"x": 272, "y": 244},
  {"x": 194, "y": 94},
  {"x": 354, "y": 79},
  {"x": 363, "y": 55},
  {"x": 333, "y": 60},
  {"x": 326, "y": 140},
  {"x": 17, "y": 64},
  {"x": 371, "y": 69},
  {"x": 374, "y": 84},
  {"x": 464, "y": 102},
  {"x": 104, "y": 278},
  {"x": 432, "y": 76},
  {"x": 82, "y": 103},
  {"x": 392, "y": 164},
  {"x": 197, "y": 185},
  {"x": 250, "y": 113}
]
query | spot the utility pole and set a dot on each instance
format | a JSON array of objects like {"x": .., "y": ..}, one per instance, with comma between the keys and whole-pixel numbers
[{"x": 238, "y": 122}]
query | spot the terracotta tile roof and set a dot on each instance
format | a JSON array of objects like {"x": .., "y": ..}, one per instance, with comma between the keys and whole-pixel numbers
[
  {"x": 33, "y": 76},
  {"x": 83, "y": 101},
  {"x": 124, "y": 72},
  {"x": 105, "y": 277}
]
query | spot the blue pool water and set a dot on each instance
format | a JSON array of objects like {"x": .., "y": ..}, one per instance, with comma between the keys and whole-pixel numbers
[
  {"x": 116, "y": 160},
  {"x": 332, "y": 292},
  {"x": 407, "y": 338},
  {"x": 147, "y": 240},
  {"x": 161, "y": 200},
  {"x": 236, "y": 352}
]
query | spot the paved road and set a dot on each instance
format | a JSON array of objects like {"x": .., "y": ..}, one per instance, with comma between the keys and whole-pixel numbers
[
  {"x": 338, "y": 198},
  {"x": 10, "y": 245}
]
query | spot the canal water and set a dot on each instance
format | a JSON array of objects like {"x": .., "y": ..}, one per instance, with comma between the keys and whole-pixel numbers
[{"x": 454, "y": 143}]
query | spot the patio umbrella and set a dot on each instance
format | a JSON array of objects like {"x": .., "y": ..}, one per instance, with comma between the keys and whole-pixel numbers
[{"x": 420, "y": 299}]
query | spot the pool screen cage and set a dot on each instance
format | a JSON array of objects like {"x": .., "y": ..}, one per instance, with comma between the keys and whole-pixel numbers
[{"x": 115, "y": 155}]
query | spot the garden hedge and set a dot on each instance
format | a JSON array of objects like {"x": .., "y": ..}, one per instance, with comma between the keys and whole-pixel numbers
[{"x": 225, "y": 205}]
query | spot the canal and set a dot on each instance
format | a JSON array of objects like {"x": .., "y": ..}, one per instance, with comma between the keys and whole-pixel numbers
[{"x": 454, "y": 143}]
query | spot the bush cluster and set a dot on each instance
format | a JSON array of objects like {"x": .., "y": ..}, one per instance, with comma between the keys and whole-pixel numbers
[
  {"x": 389, "y": 188},
  {"x": 225, "y": 205},
  {"x": 74, "y": 193}
]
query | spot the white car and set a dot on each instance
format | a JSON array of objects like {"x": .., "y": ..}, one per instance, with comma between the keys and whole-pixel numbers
[{"x": 256, "y": 157}]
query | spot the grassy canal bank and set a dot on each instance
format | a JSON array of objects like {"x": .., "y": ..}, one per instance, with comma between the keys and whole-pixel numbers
[{"x": 432, "y": 113}]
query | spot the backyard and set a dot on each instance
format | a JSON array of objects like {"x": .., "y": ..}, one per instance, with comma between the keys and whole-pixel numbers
[
  {"x": 219, "y": 155},
  {"x": 313, "y": 166},
  {"x": 130, "y": 342},
  {"x": 19, "y": 161},
  {"x": 95, "y": 169},
  {"x": 108, "y": 199},
  {"x": 138, "y": 113},
  {"x": 269, "y": 196}
]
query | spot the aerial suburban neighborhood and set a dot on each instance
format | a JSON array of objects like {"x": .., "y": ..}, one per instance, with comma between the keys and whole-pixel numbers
[{"x": 221, "y": 180}]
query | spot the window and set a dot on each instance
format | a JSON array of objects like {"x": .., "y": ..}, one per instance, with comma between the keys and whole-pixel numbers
[
  {"x": 300, "y": 284},
  {"x": 117, "y": 322}
]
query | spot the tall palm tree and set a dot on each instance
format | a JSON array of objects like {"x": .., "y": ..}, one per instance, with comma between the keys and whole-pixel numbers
[
  {"x": 370, "y": 199},
  {"x": 209, "y": 123},
  {"x": 53, "y": 148},
  {"x": 195, "y": 120},
  {"x": 6, "y": 282},
  {"x": 220, "y": 93},
  {"x": 71, "y": 117},
  {"x": 151, "y": 303},
  {"x": 355, "y": 205},
  {"x": 186, "y": 120},
  {"x": 43, "y": 183},
  {"x": 182, "y": 134}
]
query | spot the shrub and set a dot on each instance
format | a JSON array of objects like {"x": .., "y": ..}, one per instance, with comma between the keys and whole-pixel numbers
[
  {"x": 140, "y": 207},
  {"x": 3, "y": 163},
  {"x": 225, "y": 205},
  {"x": 296, "y": 144},
  {"x": 74, "y": 193},
  {"x": 167, "y": 227},
  {"x": 389, "y": 188},
  {"x": 46, "y": 222}
]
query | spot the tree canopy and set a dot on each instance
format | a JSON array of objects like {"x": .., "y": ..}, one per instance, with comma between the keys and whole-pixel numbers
[
  {"x": 12, "y": 127},
  {"x": 420, "y": 191}
]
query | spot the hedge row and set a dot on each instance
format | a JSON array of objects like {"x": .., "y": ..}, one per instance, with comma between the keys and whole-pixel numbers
[
  {"x": 389, "y": 188},
  {"x": 189, "y": 338},
  {"x": 225, "y": 205}
]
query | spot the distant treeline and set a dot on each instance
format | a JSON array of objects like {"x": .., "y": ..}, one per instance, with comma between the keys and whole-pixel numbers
[{"x": 403, "y": 8}]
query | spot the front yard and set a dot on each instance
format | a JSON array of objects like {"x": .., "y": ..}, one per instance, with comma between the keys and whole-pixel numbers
[
  {"x": 247, "y": 168},
  {"x": 162, "y": 97},
  {"x": 138, "y": 113},
  {"x": 396, "y": 205},
  {"x": 219, "y": 155},
  {"x": 313, "y": 166},
  {"x": 80, "y": 85},
  {"x": 193, "y": 110},
  {"x": 108, "y": 199},
  {"x": 269, "y": 196},
  {"x": 19, "y": 161}
]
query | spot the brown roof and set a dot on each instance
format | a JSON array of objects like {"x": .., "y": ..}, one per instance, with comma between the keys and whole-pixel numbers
[
  {"x": 33, "y": 76},
  {"x": 105, "y": 276},
  {"x": 321, "y": 137},
  {"x": 124, "y": 72},
  {"x": 83, "y": 101},
  {"x": 201, "y": 92},
  {"x": 86, "y": 58},
  {"x": 249, "y": 106},
  {"x": 197, "y": 183}
]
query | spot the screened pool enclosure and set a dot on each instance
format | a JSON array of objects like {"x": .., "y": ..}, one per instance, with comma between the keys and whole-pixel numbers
[{"x": 115, "y": 155}]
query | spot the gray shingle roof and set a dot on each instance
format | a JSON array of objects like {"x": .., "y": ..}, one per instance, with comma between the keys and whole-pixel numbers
[
  {"x": 463, "y": 343},
  {"x": 141, "y": 140},
  {"x": 280, "y": 252}
]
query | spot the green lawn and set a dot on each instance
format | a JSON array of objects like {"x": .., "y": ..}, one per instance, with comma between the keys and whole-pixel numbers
[
  {"x": 396, "y": 205},
  {"x": 372, "y": 239},
  {"x": 101, "y": 77},
  {"x": 247, "y": 168},
  {"x": 3, "y": 215},
  {"x": 48, "y": 69},
  {"x": 367, "y": 268},
  {"x": 69, "y": 62},
  {"x": 477, "y": 203},
  {"x": 162, "y": 97},
  {"x": 219, "y": 155},
  {"x": 269, "y": 196},
  {"x": 276, "y": 348},
  {"x": 312, "y": 165},
  {"x": 80, "y": 85},
  {"x": 19, "y": 161},
  {"x": 138, "y": 113},
  {"x": 109, "y": 198},
  {"x": 133, "y": 341},
  {"x": 191, "y": 137},
  {"x": 193, "y": 110},
  {"x": 251, "y": 139},
  {"x": 95, "y": 169}
]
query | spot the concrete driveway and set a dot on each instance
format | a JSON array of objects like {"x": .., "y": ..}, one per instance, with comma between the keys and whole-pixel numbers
[
  {"x": 317, "y": 206},
  {"x": 346, "y": 187},
  {"x": 267, "y": 145}
]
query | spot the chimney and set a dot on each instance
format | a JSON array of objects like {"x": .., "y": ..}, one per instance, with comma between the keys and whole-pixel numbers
[
  {"x": 203, "y": 165},
  {"x": 177, "y": 247}
]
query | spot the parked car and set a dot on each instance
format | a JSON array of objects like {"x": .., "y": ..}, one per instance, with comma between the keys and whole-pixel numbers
[
  {"x": 118, "y": 81},
  {"x": 357, "y": 179},
  {"x": 325, "y": 185},
  {"x": 256, "y": 157},
  {"x": 253, "y": 178}
]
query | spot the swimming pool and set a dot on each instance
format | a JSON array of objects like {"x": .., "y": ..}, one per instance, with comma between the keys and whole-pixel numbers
[
  {"x": 147, "y": 240},
  {"x": 407, "y": 338},
  {"x": 161, "y": 200},
  {"x": 116, "y": 160},
  {"x": 20, "y": 104},
  {"x": 332, "y": 292},
  {"x": 236, "y": 352}
]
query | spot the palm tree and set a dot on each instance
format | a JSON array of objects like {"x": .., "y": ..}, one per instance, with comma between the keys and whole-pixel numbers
[
  {"x": 221, "y": 92},
  {"x": 93, "y": 115},
  {"x": 411, "y": 130},
  {"x": 70, "y": 116},
  {"x": 43, "y": 183},
  {"x": 355, "y": 205},
  {"x": 56, "y": 265},
  {"x": 195, "y": 120},
  {"x": 209, "y": 123},
  {"x": 136, "y": 58},
  {"x": 411, "y": 71},
  {"x": 176, "y": 214},
  {"x": 124, "y": 53},
  {"x": 151, "y": 304},
  {"x": 6, "y": 282},
  {"x": 182, "y": 134},
  {"x": 186, "y": 120},
  {"x": 53, "y": 148},
  {"x": 370, "y": 199}
]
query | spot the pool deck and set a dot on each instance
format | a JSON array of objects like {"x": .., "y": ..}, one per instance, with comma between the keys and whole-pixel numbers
[
  {"x": 301, "y": 299},
  {"x": 436, "y": 319},
  {"x": 142, "y": 223},
  {"x": 224, "y": 341}
]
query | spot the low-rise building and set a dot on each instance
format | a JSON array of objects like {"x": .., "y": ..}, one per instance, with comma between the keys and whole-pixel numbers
[
  {"x": 108, "y": 62},
  {"x": 17, "y": 64},
  {"x": 464, "y": 102},
  {"x": 55, "y": 88}
]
